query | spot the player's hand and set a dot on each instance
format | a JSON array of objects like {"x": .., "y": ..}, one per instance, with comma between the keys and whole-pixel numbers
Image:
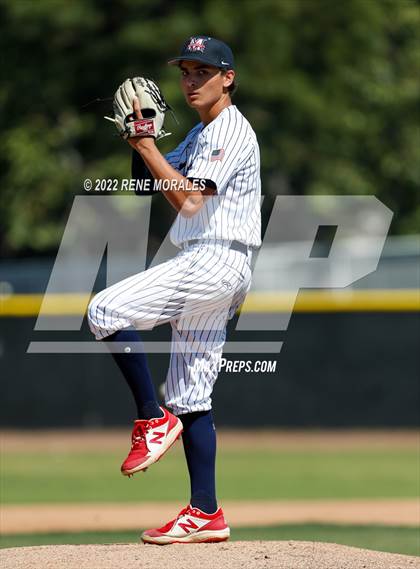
[{"x": 139, "y": 141}]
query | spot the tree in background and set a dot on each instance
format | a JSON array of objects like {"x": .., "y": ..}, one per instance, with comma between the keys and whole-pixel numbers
[{"x": 331, "y": 88}]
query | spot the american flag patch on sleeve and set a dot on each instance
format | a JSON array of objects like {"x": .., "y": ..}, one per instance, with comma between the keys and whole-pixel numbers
[{"x": 217, "y": 155}]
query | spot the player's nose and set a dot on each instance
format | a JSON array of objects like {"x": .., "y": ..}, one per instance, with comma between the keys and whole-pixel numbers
[{"x": 191, "y": 83}]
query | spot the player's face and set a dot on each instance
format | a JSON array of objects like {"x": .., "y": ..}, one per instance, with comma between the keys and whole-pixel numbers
[{"x": 203, "y": 85}]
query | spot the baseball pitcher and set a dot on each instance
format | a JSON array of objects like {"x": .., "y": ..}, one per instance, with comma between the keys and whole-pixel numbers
[{"x": 215, "y": 187}]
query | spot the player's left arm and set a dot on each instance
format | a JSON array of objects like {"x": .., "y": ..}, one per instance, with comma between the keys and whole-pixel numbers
[{"x": 133, "y": 98}]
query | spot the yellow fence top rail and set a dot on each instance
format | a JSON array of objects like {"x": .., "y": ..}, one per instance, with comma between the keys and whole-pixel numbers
[{"x": 356, "y": 300}]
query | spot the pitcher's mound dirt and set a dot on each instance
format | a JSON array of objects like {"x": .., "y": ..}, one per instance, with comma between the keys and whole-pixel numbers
[{"x": 234, "y": 555}]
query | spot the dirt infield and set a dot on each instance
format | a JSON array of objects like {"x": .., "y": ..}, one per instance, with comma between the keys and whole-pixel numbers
[
  {"x": 45, "y": 518},
  {"x": 234, "y": 555}
]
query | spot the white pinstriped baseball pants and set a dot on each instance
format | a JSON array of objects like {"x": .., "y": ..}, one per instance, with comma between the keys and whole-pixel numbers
[{"x": 196, "y": 292}]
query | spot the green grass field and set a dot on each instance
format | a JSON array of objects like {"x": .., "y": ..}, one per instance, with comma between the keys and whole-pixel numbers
[
  {"x": 47, "y": 477},
  {"x": 95, "y": 477}
]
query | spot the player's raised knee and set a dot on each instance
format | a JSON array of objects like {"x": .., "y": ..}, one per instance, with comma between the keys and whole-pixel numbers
[{"x": 95, "y": 312}]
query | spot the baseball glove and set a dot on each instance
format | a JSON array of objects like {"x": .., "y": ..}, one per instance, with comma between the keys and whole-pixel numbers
[{"x": 152, "y": 104}]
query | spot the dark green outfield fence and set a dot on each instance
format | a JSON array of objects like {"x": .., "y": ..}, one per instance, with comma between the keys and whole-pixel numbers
[{"x": 335, "y": 369}]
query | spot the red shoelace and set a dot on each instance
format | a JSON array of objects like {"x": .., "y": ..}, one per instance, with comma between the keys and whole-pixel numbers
[
  {"x": 138, "y": 436},
  {"x": 169, "y": 524}
]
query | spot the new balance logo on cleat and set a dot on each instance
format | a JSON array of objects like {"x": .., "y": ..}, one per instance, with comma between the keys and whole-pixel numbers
[
  {"x": 157, "y": 437},
  {"x": 188, "y": 525}
]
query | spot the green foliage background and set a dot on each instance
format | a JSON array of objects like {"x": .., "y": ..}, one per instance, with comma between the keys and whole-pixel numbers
[{"x": 331, "y": 88}]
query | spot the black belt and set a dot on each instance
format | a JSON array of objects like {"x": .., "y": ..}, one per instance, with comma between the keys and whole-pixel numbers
[{"x": 235, "y": 245}]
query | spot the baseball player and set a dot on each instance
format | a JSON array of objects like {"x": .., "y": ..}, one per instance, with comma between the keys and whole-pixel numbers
[{"x": 215, "y": 188}]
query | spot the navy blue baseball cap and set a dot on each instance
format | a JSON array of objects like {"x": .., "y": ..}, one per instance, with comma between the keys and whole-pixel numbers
[{"x": 207, "y": 50}]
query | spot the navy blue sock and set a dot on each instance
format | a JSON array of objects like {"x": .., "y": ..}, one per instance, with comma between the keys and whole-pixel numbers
[
  {"x": 199, "y": 439},
  {"x": 133, "y": 365}
]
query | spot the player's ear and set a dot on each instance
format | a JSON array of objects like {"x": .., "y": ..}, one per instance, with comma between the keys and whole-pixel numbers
[
  {"x": 228, "y": 78},
  {"x": 229, "y": 85}
]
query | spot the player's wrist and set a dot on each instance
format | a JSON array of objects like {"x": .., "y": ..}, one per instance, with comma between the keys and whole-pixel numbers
[{"x": 141, "y": 143}]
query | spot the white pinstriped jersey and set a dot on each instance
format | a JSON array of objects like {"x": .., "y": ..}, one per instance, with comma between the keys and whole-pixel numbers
[{"x": 226, "y": 152}]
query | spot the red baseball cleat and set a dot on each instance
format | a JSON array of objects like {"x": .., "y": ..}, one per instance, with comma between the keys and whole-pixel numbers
[
  {"x": 150, "y": 439},
  {"x": 191, "y": 526}
]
